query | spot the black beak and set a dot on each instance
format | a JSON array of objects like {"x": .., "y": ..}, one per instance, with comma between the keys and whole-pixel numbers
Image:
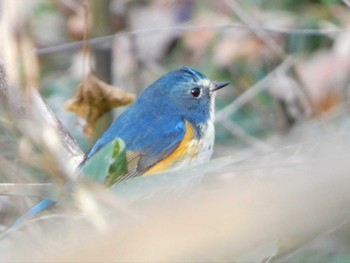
[{"x": 219, "y": 85}]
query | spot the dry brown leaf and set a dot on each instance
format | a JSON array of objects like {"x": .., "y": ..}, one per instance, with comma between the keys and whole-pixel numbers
[{"x": 95, "y": 98}]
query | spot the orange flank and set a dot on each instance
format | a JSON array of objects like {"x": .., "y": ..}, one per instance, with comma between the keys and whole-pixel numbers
[{"x": 186, "y": 149}]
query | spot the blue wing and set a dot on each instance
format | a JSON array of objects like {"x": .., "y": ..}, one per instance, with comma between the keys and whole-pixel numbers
[{"x": 149, "y": 138}]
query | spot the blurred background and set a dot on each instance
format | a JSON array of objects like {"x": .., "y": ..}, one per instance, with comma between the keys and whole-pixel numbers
[
  {"x": 279, "y": 177},
  {"x": 243, "y": 42}
]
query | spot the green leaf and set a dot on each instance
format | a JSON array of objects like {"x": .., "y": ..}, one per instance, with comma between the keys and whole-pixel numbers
[
  {"x": 108, "y": 164},
  {"x": 118, "y": 167}
]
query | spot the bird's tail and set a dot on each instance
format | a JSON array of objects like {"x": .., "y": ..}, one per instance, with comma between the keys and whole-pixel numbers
[{"x": 32, "y": 212}]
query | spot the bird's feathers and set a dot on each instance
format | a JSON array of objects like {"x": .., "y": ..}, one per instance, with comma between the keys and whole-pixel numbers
[
  {"x": 187, "y": 149},
  {"x": 146, "y": 144},
  {"x": 164, "y": 124},
  {"x": 146, "y": 155}
]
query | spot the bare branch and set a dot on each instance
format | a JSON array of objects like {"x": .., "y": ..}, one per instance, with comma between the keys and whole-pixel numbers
[
  {"x": 252, "y": 141},
  {"x": 34, "y": 119},
  {"x": 30, "y": 189},
  {"x": 251, "y": 93},
  {"x": 72, "y": 148},
  {"x": 247, "y": 19},
  {"x": 347, "y": 3},
  {"x": 187, "y": 28}
]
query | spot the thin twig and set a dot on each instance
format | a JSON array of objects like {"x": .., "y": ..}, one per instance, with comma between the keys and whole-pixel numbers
[
  {"x": 86, "y": 46},
  {"x": 241, "y": 134},
  {"x": 7, "y": 32},
  {"x": 251, "y": 93},
  {"x": 70, "y": 146},
  {"x": 27, "y": 189},
  {"x": 247, "y": 19},
  {"x": 34, "y": 119},
  {"x": 347, "y": 3},
  {"x": 187, "y": 28},
  {"x": 3, "y": 81},
  {"x": 287, "y": 256}
]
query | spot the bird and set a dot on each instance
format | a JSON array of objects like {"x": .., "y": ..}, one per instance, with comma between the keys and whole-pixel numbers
[{"x": 169, "y": 127}]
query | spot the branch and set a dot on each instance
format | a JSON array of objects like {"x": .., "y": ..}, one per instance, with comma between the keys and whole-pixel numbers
[
  {"x": 251, "y": 93},
  {"x": 187, "y": 28},
  {"x": 19, "y": 95}
]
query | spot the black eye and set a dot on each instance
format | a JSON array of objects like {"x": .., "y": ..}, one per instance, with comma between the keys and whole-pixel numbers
[{"x": 196, "y": 92}]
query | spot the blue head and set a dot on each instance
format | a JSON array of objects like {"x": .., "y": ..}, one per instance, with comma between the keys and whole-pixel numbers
[{"x": 184, "y": 92}]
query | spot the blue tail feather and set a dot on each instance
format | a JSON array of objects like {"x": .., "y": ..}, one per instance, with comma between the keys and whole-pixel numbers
[{"x": 34, "y": 211}]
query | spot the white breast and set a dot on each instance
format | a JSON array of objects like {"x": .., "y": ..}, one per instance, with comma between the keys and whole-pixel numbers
[
  {"x": 206, "y": 143},
  {"x": 201, "y": 149}
]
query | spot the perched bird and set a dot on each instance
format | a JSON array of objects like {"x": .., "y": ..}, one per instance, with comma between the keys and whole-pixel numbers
[{"x": 170, "y": 126}]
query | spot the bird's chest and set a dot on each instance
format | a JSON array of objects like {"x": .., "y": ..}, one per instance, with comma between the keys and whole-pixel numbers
[
  {"x": 197, "y": 150},
  {"x": 205, "y": 144}
]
